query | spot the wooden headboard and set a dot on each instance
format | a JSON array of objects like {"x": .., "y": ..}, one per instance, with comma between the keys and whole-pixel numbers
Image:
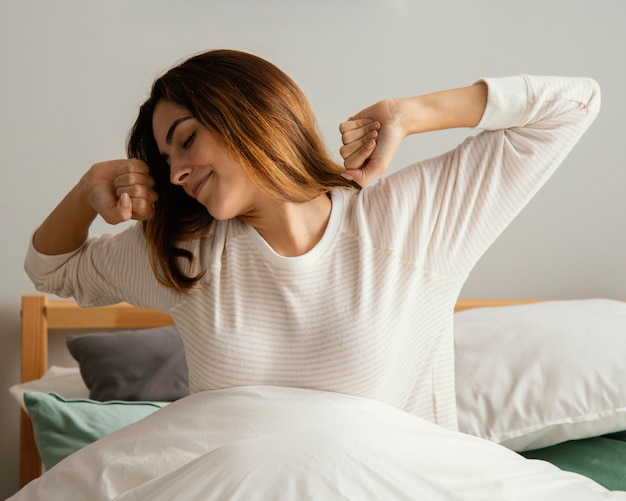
[{"x": 41, "y": 315}]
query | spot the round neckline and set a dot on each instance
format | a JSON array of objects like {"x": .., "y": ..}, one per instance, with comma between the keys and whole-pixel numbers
[{"x": 336, "y": 211}]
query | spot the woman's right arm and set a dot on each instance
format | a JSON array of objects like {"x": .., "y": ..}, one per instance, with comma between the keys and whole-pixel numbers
[{"x": 117, "y": 190}]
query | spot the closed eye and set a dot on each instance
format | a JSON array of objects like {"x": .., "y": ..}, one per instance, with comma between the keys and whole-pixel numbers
[{"x": 189, "y": 141}]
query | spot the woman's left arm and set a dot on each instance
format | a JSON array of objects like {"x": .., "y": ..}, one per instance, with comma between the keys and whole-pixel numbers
[
  {"x": 448, "y": 209},
  {"x": 372, "y": 136}
]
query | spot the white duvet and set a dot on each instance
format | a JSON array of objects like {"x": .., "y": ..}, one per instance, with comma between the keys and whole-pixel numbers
[{"x": 269, "y": 443}]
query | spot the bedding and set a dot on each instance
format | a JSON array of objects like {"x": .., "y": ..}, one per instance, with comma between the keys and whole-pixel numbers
[
  {"x": 287, "y": 443},
  {"x": 63, "y": 426},
  {"x": 140, "y": 364},
  {"x": 64, "y": 380},
  {"x": 505, "y": 356},
  {"x": 600, "y": 458},
  {"x": 532, "y": 376}
]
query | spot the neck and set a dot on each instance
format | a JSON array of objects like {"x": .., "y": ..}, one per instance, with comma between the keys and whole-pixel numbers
[{"x": 293, "y": 229}]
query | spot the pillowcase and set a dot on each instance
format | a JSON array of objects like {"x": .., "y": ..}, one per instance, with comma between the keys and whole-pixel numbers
[
  {"x": 63, "y": 380},
  {"x": 134, "y": 365},
  {"x": 531, "y": 376},
  {"x": 62, "y": 426}
]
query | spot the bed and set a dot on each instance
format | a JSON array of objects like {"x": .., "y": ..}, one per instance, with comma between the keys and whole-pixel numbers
[{"x": 540, "y": 379}]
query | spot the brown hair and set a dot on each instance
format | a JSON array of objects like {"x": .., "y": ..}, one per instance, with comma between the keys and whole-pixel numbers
[{"x": 265, "y": 121}]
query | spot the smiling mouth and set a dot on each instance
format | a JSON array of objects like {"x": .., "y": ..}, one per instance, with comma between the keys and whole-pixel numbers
[{"x": 199, "y": 185}]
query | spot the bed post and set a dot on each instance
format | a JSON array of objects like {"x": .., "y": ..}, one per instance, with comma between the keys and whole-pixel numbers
[{"x": 35, "y": 344}]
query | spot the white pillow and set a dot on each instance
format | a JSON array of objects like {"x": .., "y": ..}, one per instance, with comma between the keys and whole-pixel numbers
[
  {"x": 65, "y": 381},
  {"x": 531, "y": 376}
]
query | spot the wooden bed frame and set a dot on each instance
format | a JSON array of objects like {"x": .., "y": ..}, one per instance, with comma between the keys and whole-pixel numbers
[{"x": 41, "y": 315}]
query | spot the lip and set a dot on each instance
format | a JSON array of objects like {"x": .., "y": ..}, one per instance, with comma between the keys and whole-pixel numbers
[{"x": 198, "y": 186}]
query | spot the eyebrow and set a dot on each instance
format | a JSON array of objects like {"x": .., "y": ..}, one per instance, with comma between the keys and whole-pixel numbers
[{"x": 177, "y": 122}]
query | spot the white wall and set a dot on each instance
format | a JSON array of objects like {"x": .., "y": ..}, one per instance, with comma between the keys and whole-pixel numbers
[{"x": 74, "y": 72}]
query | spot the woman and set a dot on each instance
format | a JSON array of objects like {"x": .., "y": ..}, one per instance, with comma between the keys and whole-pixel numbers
[{"x": 276, "y": 267}]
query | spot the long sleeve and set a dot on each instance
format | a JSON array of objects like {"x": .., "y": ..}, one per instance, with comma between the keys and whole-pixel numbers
[
  {"x": 443, "y": 213},
  {"x": 107, "y": 269}
]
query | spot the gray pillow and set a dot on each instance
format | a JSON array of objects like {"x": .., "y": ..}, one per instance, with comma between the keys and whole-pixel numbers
[{"x": 135, "y": 365}]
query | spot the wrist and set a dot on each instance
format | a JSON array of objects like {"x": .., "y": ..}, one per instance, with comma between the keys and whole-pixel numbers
[
  {"x": 462, "y": 107},
  {"x": 80, "y": 197}
]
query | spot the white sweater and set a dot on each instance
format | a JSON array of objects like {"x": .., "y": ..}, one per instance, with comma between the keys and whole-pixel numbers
[{"x": 368, "y": 311}]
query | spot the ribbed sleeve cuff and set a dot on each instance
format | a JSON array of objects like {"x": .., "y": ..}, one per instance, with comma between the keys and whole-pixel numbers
[
  {"x": 507, "y": 103},
  {"x": 38, "y": 265}
]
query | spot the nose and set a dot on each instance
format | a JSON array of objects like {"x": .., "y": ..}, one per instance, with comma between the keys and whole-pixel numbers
[{"x": 179, "y": 174}]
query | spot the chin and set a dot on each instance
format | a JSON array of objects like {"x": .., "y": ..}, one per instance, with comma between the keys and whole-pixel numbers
[
  {"x": 222, "y": 218},
  {"x": 220, "y": 215},
  {"x": 224, "y": 211}
]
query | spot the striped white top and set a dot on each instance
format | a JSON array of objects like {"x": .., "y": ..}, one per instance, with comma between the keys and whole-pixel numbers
[{"x": 368, "y": 311}]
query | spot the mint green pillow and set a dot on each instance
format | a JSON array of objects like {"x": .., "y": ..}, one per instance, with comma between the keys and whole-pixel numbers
[{"x": 62, "y": 426}]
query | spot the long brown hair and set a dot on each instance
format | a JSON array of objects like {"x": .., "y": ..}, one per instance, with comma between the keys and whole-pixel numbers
[{"x": 265, "y": 121}]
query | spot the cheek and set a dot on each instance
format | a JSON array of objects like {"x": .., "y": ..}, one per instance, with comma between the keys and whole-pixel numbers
[{"x": 241, "y": 174}]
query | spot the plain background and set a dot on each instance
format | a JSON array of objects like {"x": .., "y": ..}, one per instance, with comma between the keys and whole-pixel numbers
[{"x": 74, "y": 72}]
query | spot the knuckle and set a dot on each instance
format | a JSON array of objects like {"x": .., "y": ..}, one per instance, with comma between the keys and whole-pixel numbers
[
  {"x": 137, "y": 164},
  {"x": 139, "y": 204},
  {"x": 350, "y": 163}
]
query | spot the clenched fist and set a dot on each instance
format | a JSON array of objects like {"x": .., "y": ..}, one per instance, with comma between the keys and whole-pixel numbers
[{"x": 120, "y": 190}]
